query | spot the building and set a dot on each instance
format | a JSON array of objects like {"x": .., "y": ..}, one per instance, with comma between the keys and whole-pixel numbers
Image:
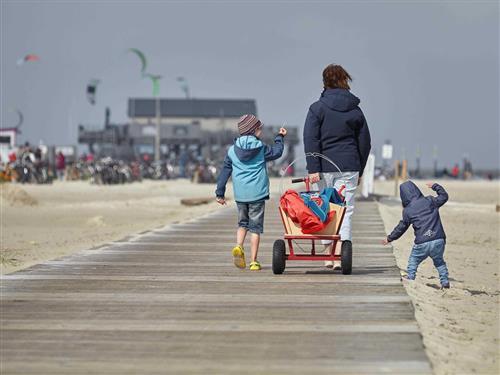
[
  {"x": 211, "y": 114},
  {"x": 203, "y": 127}
]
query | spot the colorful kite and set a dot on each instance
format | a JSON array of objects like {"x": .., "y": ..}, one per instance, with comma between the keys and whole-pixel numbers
[
  {"x": 141, "y": 57},
  {"x": 184, "y": 86},
  {"x": 27, "y": 58},
  {"x": 91, "y": 90},
  {"x": 156, "y": 83}
]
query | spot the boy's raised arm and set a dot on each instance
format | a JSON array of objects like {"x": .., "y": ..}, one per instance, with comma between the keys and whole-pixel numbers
[
  {"x": 276, "y": 150},
  {"x": 442, "y": 195},
  {"x": 399, "y": 230},
  {"x": 224, "y": 175}
]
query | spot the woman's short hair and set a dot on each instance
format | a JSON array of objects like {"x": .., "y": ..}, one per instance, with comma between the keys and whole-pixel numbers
[{"x": 336, "y": 77}]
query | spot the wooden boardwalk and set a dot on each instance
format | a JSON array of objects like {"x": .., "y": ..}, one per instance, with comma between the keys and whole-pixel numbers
[{"x": 170, "y": 301}]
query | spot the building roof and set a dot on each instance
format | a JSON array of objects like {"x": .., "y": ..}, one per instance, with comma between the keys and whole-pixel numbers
[{"x": 145, "y": 107}]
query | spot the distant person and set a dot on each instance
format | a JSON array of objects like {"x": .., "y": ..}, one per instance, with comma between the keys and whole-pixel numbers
[
  {"x": 90, "y": 158},
  {"x": 467, "y": 169},
  {"x": 455, "y": 172},
  {"x": 38, "y": 154},
  {"x": 38, "y": 160},
  {"x": 245, "y": 162},
  {"x": 336, "y": 127},
  {"x": 183, "y": 161},
  {"x": 12, "y": 157},
  {"x": 60, "y": 165},
  {"x": 423, "y": 213}
]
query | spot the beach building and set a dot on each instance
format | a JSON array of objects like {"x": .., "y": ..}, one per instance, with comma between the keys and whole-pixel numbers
[
  {"x": 212, "y": 115},
  {"x": 200, "y": 126}
]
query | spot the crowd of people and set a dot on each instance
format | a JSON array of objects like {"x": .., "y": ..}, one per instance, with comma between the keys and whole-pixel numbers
[
  {"x": 26, "y": 165},
  {"x": 33, "y": 165}
]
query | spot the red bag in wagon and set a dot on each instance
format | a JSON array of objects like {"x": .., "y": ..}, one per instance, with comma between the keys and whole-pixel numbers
[{"x": 294, "y": 206}]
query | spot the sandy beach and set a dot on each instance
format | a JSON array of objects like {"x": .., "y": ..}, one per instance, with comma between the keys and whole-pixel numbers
[
  {"x": 41, "y": 222},
  {"x": 460, "y": 326}
]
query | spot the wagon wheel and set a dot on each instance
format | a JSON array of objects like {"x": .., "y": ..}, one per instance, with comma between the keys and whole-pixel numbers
[
  {"x": 346, "y": 257},
  {"x": 279, "y": 257}
]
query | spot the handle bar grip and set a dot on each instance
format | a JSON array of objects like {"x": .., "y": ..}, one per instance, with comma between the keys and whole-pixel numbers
[{"x": 302, "y": 179}]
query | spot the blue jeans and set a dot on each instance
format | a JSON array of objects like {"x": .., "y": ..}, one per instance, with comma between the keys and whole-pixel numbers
[
  {"x": 251, "y": 216},
  {"x": 433, "y": 249}
]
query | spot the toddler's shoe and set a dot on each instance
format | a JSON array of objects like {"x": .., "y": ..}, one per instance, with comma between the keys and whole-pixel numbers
[
  {"x": 255, "y": 266},
  {"x": 328, "y": 264},
  {"x": 239, "y": 257},
  {"x": 337, "y": 265},
  {"x": 445, "y": 285}
]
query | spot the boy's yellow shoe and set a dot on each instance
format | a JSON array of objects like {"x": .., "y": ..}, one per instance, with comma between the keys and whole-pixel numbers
[
  {"x": 255, "y": 266},
  {"x": 239, "y": 257}
]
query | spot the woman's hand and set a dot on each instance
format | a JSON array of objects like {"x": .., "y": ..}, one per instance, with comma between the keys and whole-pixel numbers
[
  {"x": 314, "y": 177},
  {"x": 221, "y": 200}
]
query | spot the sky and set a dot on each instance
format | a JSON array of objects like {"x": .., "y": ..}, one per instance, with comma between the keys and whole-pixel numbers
[{"x": 427, "y": 72}]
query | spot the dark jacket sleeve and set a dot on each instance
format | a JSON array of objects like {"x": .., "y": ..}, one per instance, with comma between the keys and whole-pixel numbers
[
  {"x": 312, "y": 140},
  {"x": 364, "y": 144},
  {"x": 276, "y": 150},
  {"x": 442, "y": 195},
  {"x": 400, "y": 229},
  {"x": 224, "y": 175}
]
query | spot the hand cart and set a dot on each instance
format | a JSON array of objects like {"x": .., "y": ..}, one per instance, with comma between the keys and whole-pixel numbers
[{"x": 293, "y": 232}]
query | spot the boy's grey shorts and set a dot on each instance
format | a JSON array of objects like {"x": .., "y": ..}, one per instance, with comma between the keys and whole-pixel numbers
[{"x": 251, "y": 216}]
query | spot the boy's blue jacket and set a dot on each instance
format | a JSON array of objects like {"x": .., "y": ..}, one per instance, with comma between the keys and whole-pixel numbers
[
  {"x": 246, "y": 163},
  {"x": 336, "y": 127},
  {"x": 421, "y": 212}
]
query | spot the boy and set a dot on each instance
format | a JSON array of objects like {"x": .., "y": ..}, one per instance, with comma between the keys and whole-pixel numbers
[
  {"x": 246, "y": 161},
  {"x": 423, "y": 213}
]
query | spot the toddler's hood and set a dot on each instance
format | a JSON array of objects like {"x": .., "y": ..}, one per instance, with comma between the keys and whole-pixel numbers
[{"x": 408, "y": 192}]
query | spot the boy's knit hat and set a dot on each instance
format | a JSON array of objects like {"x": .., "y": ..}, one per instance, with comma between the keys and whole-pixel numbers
[{"x": 248, "y": 124}]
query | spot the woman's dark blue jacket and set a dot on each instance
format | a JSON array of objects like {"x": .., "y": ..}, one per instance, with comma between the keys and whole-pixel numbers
[{"x": 336, "y": 127}]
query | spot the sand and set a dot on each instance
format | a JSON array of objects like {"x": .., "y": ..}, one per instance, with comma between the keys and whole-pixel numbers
[
  {"x": 42, "y": 222},
  {"x": 460, "y": 326}
]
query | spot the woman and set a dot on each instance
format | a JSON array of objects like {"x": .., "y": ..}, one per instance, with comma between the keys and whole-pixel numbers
[{"x": 336, "y": 127}]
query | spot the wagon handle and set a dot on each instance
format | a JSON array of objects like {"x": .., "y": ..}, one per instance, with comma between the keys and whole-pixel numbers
[{"x": 308, "y": 154}]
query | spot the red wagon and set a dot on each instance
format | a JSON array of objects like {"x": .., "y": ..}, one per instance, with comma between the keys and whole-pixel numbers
[{"x": 293, "y": 233}]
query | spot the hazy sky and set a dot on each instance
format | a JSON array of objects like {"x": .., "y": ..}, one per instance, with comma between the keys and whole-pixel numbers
[{"x": 427, "y": 72}]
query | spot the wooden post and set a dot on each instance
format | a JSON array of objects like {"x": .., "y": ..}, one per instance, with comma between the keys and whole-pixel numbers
[
  {"x": 396, "y": 177},
  {"x": 404, "y": 170}
]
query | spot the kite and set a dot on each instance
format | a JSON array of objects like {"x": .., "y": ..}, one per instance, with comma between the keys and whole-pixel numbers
[
  {"x": 184, "y": 85},
  {"x": 156, "y": 83},
  {"x": 91, "y": 90},
  {"x": 27, "y": 58},
  {"x": 141, "y": 57}
]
